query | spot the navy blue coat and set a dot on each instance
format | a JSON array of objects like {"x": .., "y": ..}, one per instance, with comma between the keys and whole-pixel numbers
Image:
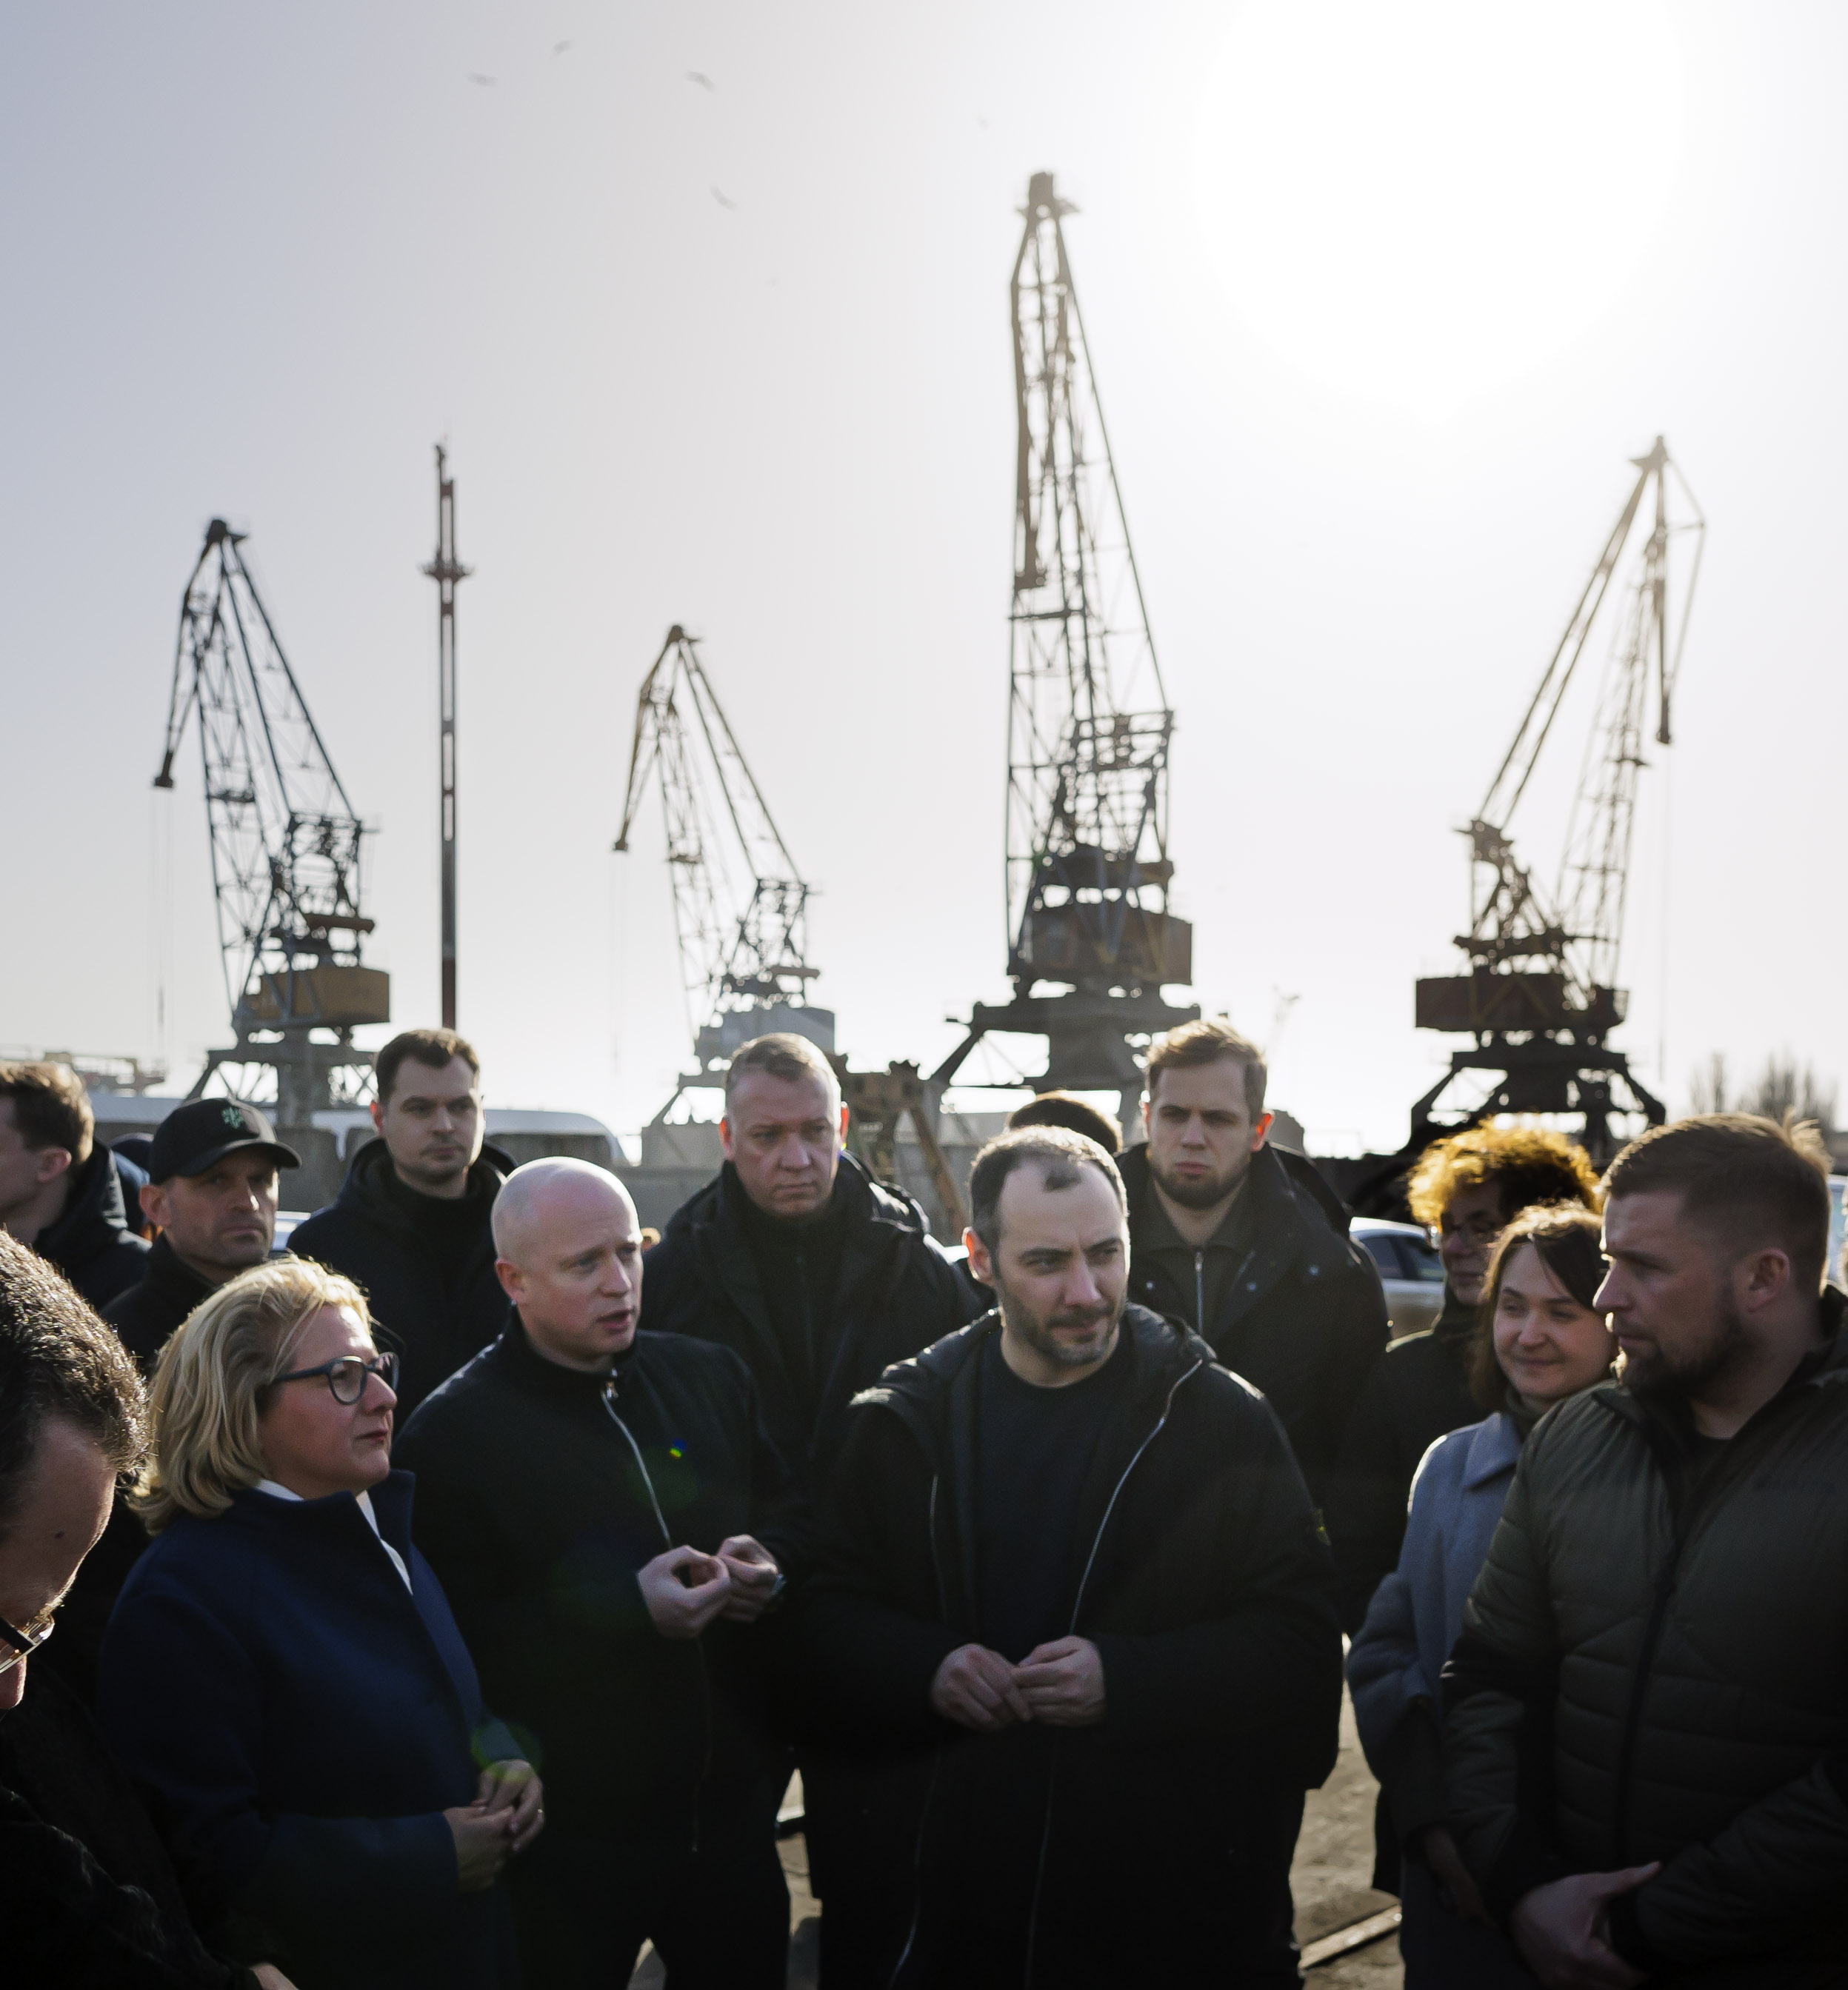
[{"x": 269, "y": 1674}]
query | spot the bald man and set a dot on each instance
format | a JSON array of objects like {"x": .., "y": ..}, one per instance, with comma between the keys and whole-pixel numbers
[{"x": 612, "y": 1525}]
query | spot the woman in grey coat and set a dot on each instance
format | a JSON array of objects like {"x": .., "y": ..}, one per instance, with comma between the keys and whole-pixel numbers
[{"x": 1539, "y": 1341}]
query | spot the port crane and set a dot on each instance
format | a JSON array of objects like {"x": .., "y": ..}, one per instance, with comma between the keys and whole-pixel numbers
[
  {"x": 1540, "y": 998},
  {"x": 741, "y": 913},
  {"x": 285, "y": 848},
  {"x": 1090, "y": 939},
  {"x": 740, "y": 906}
]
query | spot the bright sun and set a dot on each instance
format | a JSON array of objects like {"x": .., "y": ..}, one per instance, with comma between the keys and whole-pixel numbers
[{"x": 1417, "y": 199}]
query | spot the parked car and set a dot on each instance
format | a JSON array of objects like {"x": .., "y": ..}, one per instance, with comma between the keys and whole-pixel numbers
[{"x": 1410, "y": 1269}]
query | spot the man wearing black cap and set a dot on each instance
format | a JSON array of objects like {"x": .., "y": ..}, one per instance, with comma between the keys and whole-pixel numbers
[{"x": 213, "y": 1194}]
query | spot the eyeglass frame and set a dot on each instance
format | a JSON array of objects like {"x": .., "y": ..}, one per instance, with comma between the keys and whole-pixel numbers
[
  {"x": 384, "y": 1365},
  {"x": 23, "y": 1644}
]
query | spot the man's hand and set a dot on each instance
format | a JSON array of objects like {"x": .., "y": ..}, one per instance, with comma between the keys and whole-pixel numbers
[
  {"x": 1063, "y": 1682},
  {"x": 975, "y": 1688},
  {"x": 514, "y": 1787},
  {"x": 754, "y": 1576},
  {"x": 483, "y": 1844},
  {"x": 684, "y": 1590},
  {"x": 1563, "y": 1934},
  {"x": 1437, "y": 1849}
]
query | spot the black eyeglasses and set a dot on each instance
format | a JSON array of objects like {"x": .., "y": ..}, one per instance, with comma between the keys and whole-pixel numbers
[
  {"x": 347, "y": 1377},
  {"x": 24, "y": 1642}
]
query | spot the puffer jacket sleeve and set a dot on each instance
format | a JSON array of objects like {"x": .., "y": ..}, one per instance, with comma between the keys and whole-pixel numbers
[
  {"x": 1772, "y": 1876},
  {"x": 1499, "y": 1691}
]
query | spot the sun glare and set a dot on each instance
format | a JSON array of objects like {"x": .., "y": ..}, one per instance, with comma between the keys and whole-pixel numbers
[{"x": 1417, "y": 199}]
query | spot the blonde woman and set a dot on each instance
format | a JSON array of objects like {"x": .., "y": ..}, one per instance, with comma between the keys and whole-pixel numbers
[{"x": 283, "y": 1666}]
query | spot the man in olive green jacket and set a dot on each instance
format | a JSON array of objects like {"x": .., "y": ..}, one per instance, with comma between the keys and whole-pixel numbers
[{"x": 1646, "y": 1730}]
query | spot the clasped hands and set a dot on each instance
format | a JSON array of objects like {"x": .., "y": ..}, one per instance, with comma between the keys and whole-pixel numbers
[
  {"x": 685, "y": 1591},
  {"x": 504, "y": 1819},
  {"x": 1060, "y": 1684}
]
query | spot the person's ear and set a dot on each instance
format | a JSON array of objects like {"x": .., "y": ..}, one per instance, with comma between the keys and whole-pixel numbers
[
  {"x": 1763, "y": 1277},
  {"x": 378, "y": 1112},
  {"x": 844, "y": 1120},
  {"x": 157, "y": 1203},
  {"x": 52, "y": 1162},
  {"x": 726, "y": 1145},
  {"x": 981, "y": 1264},
  {"x": 1259, "y": 1131},
  {"x": 512, "y": 1284}
]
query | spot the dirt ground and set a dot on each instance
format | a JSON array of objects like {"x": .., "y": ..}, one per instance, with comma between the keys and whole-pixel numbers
[{"x": 1334, "y": 1861}]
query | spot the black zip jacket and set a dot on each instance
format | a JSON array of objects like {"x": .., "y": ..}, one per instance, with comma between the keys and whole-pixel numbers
[
  {"x": 541, "y": 1492},
  {"x": 1302, "y": 1317},
  {"x": 894, "y": 1293},
  {"x": 92, "y": 1242},
  {"x": 1417, "y": 1392},
  {"x": 1209, "y": 1595},
  {"x": 1654, "y": 1665},
  {"x": 438, "y": 1309},
  {"x": 146, "y": 1314},
  {"x": 90, "y": 1898}
]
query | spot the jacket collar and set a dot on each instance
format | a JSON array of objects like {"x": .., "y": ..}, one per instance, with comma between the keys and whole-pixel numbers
[
  {"x": 364, "y": 1191},
  {"x": 1494, "y": 1445},
  {"x": 170, "y": 1275},
  {"x": 515, "y": 1359},
  {"x": 94, "y": 1213},
  {"x": 1294, "y": 1219}
]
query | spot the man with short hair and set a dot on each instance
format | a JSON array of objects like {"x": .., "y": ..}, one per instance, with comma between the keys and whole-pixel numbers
[
  {"x": 795, "y": 1257},
  {"x": 1247, "y": 1244},
  {"x": 1071, "y": 1581},
  {"x": 60, "y": 1191},
  {"x": 610, "y": 1521},
  {"x": 1646, "y": 1711},
  {"x": 412, "y": 1223},
  {"x": 89, "y": 1897},
  {"x": 1467, "y": 1187},
  {"x": 1075, "y": 1115},
  {"x": 213, "y": 1190}
]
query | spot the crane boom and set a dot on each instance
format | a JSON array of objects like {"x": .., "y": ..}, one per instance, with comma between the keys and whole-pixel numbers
[
  {"x": 285, "y": 842},
  {"x": 1541, "y": 994},
  {"x": 740, "y": 907}
]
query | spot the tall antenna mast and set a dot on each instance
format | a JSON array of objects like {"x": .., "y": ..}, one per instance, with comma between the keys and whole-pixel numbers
[
  {"x": 445, "y": 570},
  {"x": 1091, "y": 941}
]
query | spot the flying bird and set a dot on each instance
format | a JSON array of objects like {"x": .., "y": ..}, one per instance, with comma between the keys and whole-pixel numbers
[
  {"x": 473, "y": 77},
  {"x": 723, "y": 202},
  {"x": 705, "y": 82}
]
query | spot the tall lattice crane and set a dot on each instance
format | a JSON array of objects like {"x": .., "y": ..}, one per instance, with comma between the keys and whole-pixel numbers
[
  {"x": 1091, "y": 940},
  {"x": 285, "y": 850},
  {"x": 740, "y": 908},
  {"x": 1541, "y": 995}
]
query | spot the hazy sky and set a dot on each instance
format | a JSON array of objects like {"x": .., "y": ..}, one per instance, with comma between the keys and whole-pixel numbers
[{"x": 1381, "y": 297}]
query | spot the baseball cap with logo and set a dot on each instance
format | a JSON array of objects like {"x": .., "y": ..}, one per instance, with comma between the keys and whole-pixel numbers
[{"x": 194, "y": 1136}]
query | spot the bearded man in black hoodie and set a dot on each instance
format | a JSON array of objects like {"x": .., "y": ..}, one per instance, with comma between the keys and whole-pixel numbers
[
  {"x": 1070, "y": 1583},
  {"x": 1246, "y": 1243},
  {"x": 412, "y": 1224}
]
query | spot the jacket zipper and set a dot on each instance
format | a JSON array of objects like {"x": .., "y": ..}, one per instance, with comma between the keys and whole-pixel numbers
[
  {"x": 699, "y": 1653},
  {"x": 1200, "y": 1291},
  {"x": 1077, "y": 1603},
  {"x": 937, "y": 1757}
]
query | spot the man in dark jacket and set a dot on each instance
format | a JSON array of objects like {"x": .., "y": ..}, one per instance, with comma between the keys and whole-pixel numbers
[
  {"x": 610, "y": 1521},
  {"x": 411, "y": 1225},
  {"x": 1468, "y": 1187},
  {"x": 796, "y": 1259},
  {"x": 213, "y": 1192},
  {"x": 1246, "y": 1243},
  {"x": 1645, "y": 1712},
  {"x": 1071, "y": 1581},
  {"x": 60, "y": 1191},
  {"x": 90, "y": 1898}
]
